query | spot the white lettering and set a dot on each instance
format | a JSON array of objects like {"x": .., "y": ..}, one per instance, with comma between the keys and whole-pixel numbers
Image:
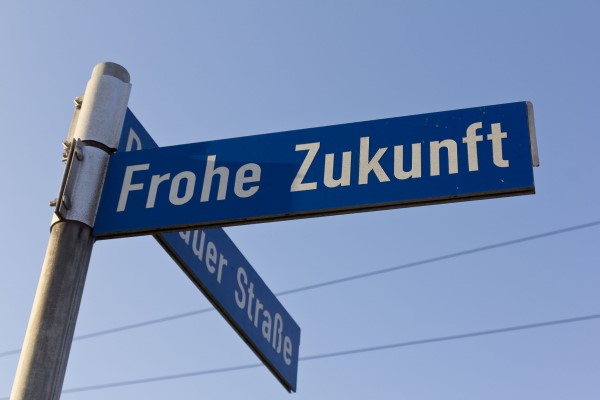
[
  {"x": 156, "y": 180},
  {"x": 257, "y": 309},
  {"x": 287, "y": 350},
  {"x": 297, "y": 184},
  {"x": 198, "y": 248},
  {"x": 496, "y": 137},
  {"x": 198, "y": 238},
  {"x": 185, "y": 236},
  {"x": 241, "y": 179},
  {"x": 183, "y": 184},
  {"x": 222, "y": 263},
  {"x": 415, "y": 171},
  {"x": 471, "y": 141},
  {"x": 128, "y": 186},
  {"x": 365, "y": 166},
  {"x": 267, "y": 325},
  {"x": 209, "y": 174},
  {"x": 240, "y": 297},
  {"x": 434, "y": 159},
  {"x": 211, "y": 257},
  {"x": 174, "y": 198},
  {"x": 132, "y": 139},
  {"x": 272, "y": 324},
  {"x": 277, "y": 332},
  {"x": 250, "y": 298},
  {"x": 344, "y": 179}
]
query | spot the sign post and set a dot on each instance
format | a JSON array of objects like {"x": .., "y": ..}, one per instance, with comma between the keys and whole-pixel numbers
[
  {"x": 43, "y": 361},
  {"x": 459, "y": 155}
]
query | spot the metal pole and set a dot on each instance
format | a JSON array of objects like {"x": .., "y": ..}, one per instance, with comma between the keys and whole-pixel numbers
[{"x": 47, "y": 343}]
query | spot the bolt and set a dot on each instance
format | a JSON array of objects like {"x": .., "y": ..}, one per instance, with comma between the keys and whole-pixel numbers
[{"x": 66, "y": 146}]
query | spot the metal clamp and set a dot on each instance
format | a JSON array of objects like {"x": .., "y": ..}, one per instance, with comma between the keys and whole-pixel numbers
[{"x": 78, "y": 196}]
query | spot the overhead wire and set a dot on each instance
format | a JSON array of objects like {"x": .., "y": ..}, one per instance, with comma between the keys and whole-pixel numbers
[
  {"x": 338, "y": 280},
  {"x": 339, "y": 353}
]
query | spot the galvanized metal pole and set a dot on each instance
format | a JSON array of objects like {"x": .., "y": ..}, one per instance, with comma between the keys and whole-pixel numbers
[{"x": 47, "y": 343}]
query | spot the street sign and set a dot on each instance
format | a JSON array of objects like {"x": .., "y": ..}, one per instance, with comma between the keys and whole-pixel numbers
[
  {"x": 218, "y": 268},
  {"x": 432, "y": 158}
]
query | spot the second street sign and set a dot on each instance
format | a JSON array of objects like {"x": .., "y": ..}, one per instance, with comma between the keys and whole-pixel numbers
[
  {"x": 217, "y": 267},
  {"x": 432, "y": 158}
]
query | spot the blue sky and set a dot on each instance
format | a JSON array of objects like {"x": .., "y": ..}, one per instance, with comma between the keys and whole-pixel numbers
[{"x": 213, "y": 70}]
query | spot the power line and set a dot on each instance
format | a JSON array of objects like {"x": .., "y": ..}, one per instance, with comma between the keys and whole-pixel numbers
[
  {"x": 337, "y": 281},
  {"x": 453, "y": 337},
  {"x": 337, "y": 354},
  {"x": 441, "y": 258}
]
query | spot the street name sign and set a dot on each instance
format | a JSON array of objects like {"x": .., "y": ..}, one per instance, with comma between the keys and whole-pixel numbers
[
  {"x": 466, "y": 154},
  {"x": 218, "y": 268}
]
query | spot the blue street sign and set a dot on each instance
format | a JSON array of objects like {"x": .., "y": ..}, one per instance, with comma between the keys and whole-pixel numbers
[
  {"x": 222, "y": 273},
  {"x": 398, "y": 162}
]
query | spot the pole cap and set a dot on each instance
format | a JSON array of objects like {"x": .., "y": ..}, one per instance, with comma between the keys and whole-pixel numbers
[{"x": 111, "y": 69}]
